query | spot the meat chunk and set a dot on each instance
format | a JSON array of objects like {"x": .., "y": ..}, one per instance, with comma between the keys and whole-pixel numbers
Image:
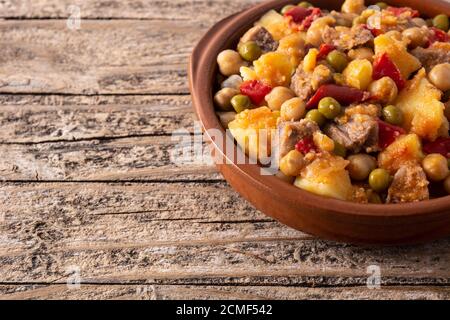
[
  {"x": 410, "y": 184},
  {"x": 262, "y": 37},
  {"x": 359, "y": 132},
  {"x": 305, "y": 83},
  {"x": 343, "y": 19},
  {"x": 370, "y": 109},
  {"x": 438, "y": 53},
  {"x": 290, "y": 132},
  {"x": 347, "y": 38}
]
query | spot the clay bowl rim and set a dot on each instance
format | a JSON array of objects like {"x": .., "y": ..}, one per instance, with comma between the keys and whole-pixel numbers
[{"x": 202, "y": 70}]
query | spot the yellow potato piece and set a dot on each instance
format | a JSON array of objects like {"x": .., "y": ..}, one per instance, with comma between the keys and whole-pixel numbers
[
  {"x": 326, "y": 176},
  {"x": 358, "y": 74},
  {"x": 251, "y": 127},
  {"x": 422, "y": 109},
  {"x": 406, "y": 149},
  {"x": 274, "y": 69},
  {"x": 276, "y": 24},
  {"x": 398, "y": 53},
  {"x": 293, "y": 46}
]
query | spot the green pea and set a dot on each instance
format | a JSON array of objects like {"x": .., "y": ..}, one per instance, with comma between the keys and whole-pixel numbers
[
  {"x": 305, "y": 4},
  {"x": 337, "y": 60},
  {"x": 287, "y": 8},
  {"x": 316, "y": 116},
  {"x": 441, "y": 22},
  {"x": 250, "y": 51},
  {"x": 240, "y": 103},
  {"x": 329, "y": 107},
  {"x": 359, "y": 20},
  {"x": 393, "y": 115},
  {"x": 381, "y": 5},
  {"x": 339, "y": 150},
  {"x": 379, "y": 180},
  {"x": 375, "y": 198}
]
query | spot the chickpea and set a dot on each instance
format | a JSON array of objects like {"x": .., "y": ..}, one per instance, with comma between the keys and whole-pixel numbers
[
  {"x": 360, "y": 166},
  {"x": 229, "y": 62},
  {"x": 394, "y": 34},
  {"x": 314, "y": 34},
  {"x": 419, "y": 22},
  {"x": 226, "y": 117},
  {"x": 278, "y": 96},
  {"x": 361, "y": 53},
  {"x": 292, "y": 163},
  {"x": 447, "y": 184},
  {"x": 435, "y": 166},
  {"x": 293, "y": 109},
  {"x": 440, "y": 76},
  {"x": 374, "y": 198},
  {"x": 353, "y": 6},
  {"x": 233, "y": 82},
  {"x": 223, "y": 98},
  {"x": 284, "y": 177},
  {"x": 416, "y": 36},
  {"x": 385, "y": 90}
]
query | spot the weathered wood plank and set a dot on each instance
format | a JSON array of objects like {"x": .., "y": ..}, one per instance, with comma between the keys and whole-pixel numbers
[
  {"x": 76, "y": 118},
  {"x": 107, "y": 56},
  {"x": 180, "y": 292},
  {"x": 205, "y": 11},
  {"x": 182, "y": 234},
  {"x": 140, "y": 158}
]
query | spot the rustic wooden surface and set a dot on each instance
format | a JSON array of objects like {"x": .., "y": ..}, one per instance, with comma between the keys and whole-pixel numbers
[{"x": 87, "y": 181}]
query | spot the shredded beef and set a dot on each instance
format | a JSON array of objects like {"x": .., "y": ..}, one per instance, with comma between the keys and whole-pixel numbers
[
  {"x": 410, "y": 184},
  {"x": 359, "y": 132},
  {"x": 262, "y": 37},
  {"x": 290, "y": 132}
]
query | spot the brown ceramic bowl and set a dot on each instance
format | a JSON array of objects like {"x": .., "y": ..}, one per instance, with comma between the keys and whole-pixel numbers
[{"x": 323, "y": 217}]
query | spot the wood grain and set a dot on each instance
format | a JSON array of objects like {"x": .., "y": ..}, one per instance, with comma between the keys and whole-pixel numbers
[
  {"x": 140, "y": 158},
  {"x": 103, "y": 57},
  {"x": 203, "y": 11},
  {"x": 182, "y": 292},
  {"x": 178, "y": 233},
  {"x": 72, "y": 118},
  {"x": 93, "y": 110}
]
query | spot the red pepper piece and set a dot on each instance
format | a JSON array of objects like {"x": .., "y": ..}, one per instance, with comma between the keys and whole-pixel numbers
[
  {"x": 345, "y": 95},
  {"x": 255, "y": 90},
  {"x": 399, "y": 11},
  {"x": 315, "y": 13},
  {"x": 298, "y": 14},
  {"x": 441, "y": 145},
  {"x": 375, "y": 32},
  {"x": 387, "y": 133},
  {"x": 324, "y": 50},
  {"x": 437, "y": 35},
  {"x": 384, "y": 67},
  {"x": 305, "y": 145}
]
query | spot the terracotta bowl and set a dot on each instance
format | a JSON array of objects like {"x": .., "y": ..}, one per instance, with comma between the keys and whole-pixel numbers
[{"x": 323, "y": 217}]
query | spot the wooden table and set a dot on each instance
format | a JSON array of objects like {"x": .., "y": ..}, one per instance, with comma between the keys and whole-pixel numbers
[{"x": 89, "y": 190}]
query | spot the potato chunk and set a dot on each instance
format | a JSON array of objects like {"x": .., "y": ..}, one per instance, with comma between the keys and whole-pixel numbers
[
  {"x": 398, "y": 53},
  {"x": 406, "y": 149},
  {"x": 422, "y": 109},
  {"x": 326, "y": 176},
  {"x": 246, "y": 130},
  {"x": 274, "y": 69},
  {"x": 275, "y": 23}
]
